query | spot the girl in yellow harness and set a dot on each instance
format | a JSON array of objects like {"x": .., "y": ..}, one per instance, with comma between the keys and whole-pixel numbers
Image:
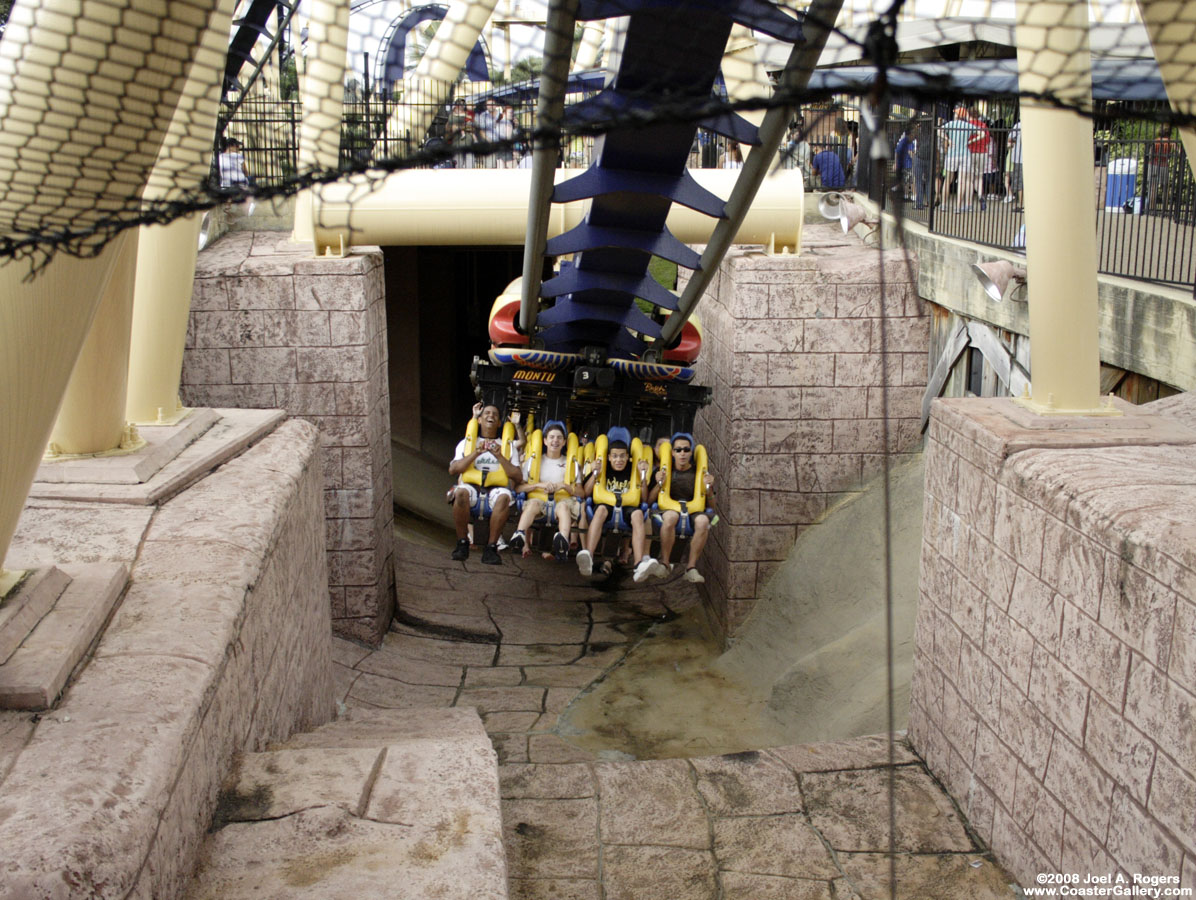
[{"x": 553, "y": 481}]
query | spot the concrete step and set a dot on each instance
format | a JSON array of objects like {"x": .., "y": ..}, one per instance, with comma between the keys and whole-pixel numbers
[
  {"x": 380, "y": 803},
  {"x": 68, "y": 609}
]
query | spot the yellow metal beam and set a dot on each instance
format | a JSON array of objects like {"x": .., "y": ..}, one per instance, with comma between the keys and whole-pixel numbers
[{"x": 1061, "y": 252}]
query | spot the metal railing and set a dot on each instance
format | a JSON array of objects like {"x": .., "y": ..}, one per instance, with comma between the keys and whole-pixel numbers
[
  {"x": 1143, "y": 191},
  {"x": 1142, "y": 185}
]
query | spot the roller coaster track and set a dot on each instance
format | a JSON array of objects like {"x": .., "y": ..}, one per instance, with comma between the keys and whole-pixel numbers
[{"x": 669, "y": 60}]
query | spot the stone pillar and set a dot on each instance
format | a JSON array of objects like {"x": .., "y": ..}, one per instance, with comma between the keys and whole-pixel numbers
[
  {"x": 272, "y": 327},
  {"x": 791, "y": 348},
  {"x": 1055, "y": 644}
]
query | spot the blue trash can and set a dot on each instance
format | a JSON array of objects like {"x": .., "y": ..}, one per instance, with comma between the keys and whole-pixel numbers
[{"x": 1119, "y": 187}]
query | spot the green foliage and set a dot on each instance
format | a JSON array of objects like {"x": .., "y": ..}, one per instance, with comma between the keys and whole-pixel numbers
[
  {"x": 5, "y": 8},
  {"x": 665, "y": 273},
  {"x": 417, "y": 43},
  {"x": 525, "y": 70},
  {"x": 1128, "y": 139},
  {"x": 288, "y": 80}
]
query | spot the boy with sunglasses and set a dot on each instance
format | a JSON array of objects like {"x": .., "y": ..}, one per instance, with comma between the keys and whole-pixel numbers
[{"x": 681, "y": 487}]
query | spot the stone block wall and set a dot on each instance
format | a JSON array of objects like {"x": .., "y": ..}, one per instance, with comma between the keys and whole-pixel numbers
[
  {"x": 792, "y": 350},
  {"x": 1055, "y": 659},
  {"x": 273, "y": 327},
  {"x": 221, "y": 645}
]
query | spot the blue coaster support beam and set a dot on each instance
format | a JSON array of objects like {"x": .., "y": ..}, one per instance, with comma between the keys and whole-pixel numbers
[
  {"x": 646, "y": 118},
  {"x": 819, "y": 19}
]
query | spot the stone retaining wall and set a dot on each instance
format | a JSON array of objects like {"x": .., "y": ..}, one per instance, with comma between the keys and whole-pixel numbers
[
  {"x": 1055, "y": 658},
  {"x": 791, "y": 347},
  {"x": 221, "y": 645},
  {"x": 273, "y": 327}
]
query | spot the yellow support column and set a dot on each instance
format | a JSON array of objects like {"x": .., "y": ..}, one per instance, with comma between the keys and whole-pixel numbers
[
  {"x": 1170, "y": 24},
  {"x": 1061, "y": 253},
  {"x": 45, "y": 317},
  {"x": 166, "y": 253},
  {"x": 428, "y": 88},
  {"x": 745, "y": 75},
  {"x": 91, "y": 418},
  {"x": 323, "y": 100},
  {"x": 42, "y": 325},
  {"x": 589, "y": 51},
  {"x": 162, "y": 303}
]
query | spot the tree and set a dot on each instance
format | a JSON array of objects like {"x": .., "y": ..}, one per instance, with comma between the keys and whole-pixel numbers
[
  {"x": 288, "y": 80},
  {"x": 527, "y": 69}
]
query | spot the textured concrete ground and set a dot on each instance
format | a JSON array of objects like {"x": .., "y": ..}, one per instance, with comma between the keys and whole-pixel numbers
[{"x": 520, "y": 642}]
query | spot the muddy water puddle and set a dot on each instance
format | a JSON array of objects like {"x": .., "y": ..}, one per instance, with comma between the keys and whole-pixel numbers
[{"x": 665, "y": 700}]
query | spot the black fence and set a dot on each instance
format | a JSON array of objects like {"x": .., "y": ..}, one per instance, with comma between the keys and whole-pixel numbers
[{"x": 1143, "y": 189}]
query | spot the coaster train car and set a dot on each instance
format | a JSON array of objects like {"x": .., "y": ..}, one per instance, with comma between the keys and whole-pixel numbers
[{"x": 587, "y": 388}]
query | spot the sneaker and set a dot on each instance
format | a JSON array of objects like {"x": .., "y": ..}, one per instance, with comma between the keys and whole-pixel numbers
[
  {"x": 643, "y": 569},
  {"x": 660, "y": 570},
  {"x": 518, "y": 539},
  {"x": 560, "y": 547},
  {"x": 461, "y": 551},
  {"x": 585, "y": 562},
  {"x": 502, "y": 545},
  {"x": 1007, "y": 200},
  {"x": 693, "y": 576},
  {"x": 490, "y": 555}
]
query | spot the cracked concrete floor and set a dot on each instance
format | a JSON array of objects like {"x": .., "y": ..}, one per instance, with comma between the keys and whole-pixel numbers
[{"x": 582, "y": 818}]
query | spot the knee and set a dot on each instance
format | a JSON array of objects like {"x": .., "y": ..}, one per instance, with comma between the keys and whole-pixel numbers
[
  {"x": 460, "y": 497},
  {"x": 500, "y": 503},
  {"x": 701, "y": 525}
]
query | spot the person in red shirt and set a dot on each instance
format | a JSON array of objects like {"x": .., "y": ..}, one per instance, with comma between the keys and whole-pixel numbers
[{"x": 979, "y": 143}]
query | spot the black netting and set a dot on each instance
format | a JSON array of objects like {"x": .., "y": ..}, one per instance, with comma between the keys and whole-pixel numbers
[{"x": 117, "y": 116}]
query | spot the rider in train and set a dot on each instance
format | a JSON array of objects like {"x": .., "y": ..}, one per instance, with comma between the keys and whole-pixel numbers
[
  {"x": 614, "y": 488},
  {"x": 552, "y": 482},
  {"x": 680, "y": 495},
  {"x": 486, "y": 464}
]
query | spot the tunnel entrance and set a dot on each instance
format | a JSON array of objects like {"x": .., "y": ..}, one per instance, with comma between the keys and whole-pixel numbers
[{"x": 437, "y": 302}]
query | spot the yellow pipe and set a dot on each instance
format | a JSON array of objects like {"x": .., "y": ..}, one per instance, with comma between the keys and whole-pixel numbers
[
  {"x": 1061, "y": 250},
  {"x": 323, "y": 99},
  {"x": 489, "y": 206}
]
